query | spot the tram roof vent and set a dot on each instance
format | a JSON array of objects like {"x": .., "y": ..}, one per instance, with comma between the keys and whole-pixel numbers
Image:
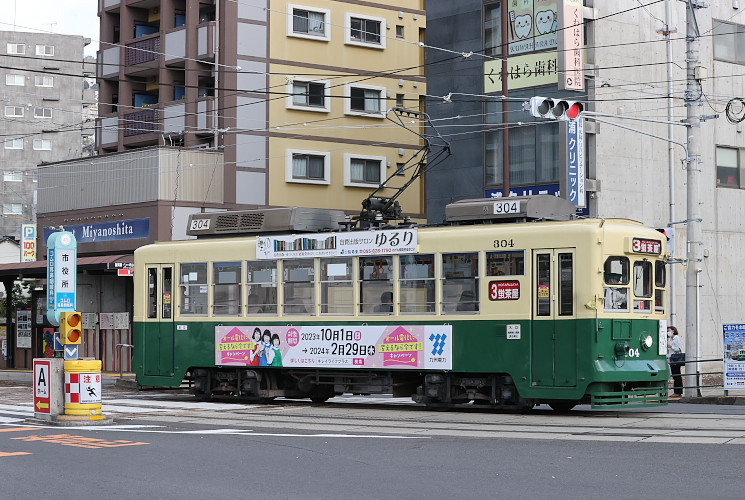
[
  {"x": 266, "y": 220},
  {"x": 520, "y": 208}
]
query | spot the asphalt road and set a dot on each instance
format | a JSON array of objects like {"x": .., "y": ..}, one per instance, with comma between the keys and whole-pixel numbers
[{"x": 166, "y": 445}]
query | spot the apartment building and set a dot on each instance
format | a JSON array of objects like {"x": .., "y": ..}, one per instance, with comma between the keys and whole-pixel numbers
[
  {"x": 294, "y": 95},
  {"x": 43, "y": 98}
]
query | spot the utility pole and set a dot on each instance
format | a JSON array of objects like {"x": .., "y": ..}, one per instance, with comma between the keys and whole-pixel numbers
[{"x": 694, "y": 105}]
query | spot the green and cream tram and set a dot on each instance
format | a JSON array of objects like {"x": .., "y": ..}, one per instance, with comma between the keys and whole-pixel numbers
[{"x": 507, "y": 314}]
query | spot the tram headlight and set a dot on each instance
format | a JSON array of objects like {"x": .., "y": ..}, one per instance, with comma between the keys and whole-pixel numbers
[{"x": 647, "y": 342}]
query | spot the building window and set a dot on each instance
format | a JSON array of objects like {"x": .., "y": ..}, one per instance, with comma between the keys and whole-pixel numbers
[
  {"x": 399, "y": 31},
  {"x": 729, "y": 42},
  {"x": 729, "y": 163},
  {"x": 42, "y": 112},
  {"x": 14, "y": 111},
  {"x": 308, "y": 95},
  {"x": 363, "y": 171},
  {"x": 401, "y": 169},
  {"x": 365, "y": 31},
  {"x": 16, "y": 48},
  {"x": 44, "y": 81},
  {"x": 533, "y": 151},
  {"x": 14, "y": 144},
  {"x": 308, "y": 22},
  {"x": 364, "y": 100},
  {"x": 17, "y": 80},
  {"x": 42, "y": 145},
  {"x": 493, "y": 29},
  {"x": 12, "y": 209},
  {"x": 45, "y": 50},
  {"x": 13, "y": 176},
  {"x": 310, "y": 167}
]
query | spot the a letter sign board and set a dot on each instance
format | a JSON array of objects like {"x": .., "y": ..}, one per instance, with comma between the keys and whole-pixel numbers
[
  {"x": 42, "y": 388},
  {"x": 62, "y": 269}
]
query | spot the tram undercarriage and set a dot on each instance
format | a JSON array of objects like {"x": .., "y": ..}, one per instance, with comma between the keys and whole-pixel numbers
[{"x": 437, "y": 390}]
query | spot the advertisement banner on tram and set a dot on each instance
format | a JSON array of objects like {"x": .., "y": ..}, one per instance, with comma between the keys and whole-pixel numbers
[{"x": 405, "y": 347}]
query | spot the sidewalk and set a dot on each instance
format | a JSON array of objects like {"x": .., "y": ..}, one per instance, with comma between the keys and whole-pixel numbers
[{"x": 709, "y": 395}]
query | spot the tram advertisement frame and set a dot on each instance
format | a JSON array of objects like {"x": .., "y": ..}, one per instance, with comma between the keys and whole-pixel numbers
[
  {"x": 734, "y": 349},
  {"x": 389, "y": 347}
]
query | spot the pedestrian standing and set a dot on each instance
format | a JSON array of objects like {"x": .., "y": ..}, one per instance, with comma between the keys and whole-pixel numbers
[{"x": 676, "y": 358}]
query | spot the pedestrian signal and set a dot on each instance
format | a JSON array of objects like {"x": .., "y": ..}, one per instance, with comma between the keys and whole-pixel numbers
[{"x": 71, "y": 328}]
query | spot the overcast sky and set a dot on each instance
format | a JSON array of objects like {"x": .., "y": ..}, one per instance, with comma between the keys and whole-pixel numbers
[{"x": 65, "y": 17}]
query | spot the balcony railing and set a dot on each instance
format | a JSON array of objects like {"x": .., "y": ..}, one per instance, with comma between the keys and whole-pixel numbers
[
  {"x": 141, "y": 122},
  {"x": 142, "y": 51}
]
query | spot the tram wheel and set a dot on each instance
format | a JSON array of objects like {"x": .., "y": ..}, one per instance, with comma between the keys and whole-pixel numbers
[{"x": 562, "y": 406}]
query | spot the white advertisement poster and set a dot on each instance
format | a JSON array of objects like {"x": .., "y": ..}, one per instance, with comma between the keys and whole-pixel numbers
[{"x": 338, "y": 244}]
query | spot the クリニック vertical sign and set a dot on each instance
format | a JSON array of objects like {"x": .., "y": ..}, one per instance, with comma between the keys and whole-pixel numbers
[
  {"x": 576, "y": 161},
  {"x": 62, "y": 270}
]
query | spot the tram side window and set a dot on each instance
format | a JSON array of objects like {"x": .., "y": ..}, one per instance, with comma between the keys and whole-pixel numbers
[
  {"x": 566, "y": 284},
  {"x": 152, "y": 292},
  {"x": 643, "y": 286},
  {"x": 167, "y": 294},
  {"x": 376, "y": 285},
  {"x": 194, "y": 289},
  {"x": 505, "y": 263},
  {"x": 226, "y": 292},
  {"x": 460, "y": 286},
  {"x": 299, "y": 286},
  {"x": 261, "y": 279},
  {"x": 660, "y": 280},
  {"x": 337, "y": 296},
  {"x": 417, "y": 283},
  {"x": 616, "y": 277}
]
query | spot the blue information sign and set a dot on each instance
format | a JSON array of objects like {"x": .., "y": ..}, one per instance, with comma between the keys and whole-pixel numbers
[{"x": 62, "y": 270}]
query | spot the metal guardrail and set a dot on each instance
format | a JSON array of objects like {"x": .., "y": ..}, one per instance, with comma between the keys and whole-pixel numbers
[{"x": 698, "y": 374}]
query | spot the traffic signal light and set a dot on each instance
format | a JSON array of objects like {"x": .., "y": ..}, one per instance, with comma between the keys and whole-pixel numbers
[
  {"x": 71, "y": 328},
  {"x": 555, "y": 109}
]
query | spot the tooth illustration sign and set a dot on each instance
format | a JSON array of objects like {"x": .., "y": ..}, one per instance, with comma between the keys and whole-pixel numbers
[
  {"x": 545, "y": 21},
  {"x": 523, "y": 26}
]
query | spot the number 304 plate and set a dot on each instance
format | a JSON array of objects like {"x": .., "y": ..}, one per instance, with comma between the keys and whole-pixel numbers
[{"x": 507, "y": 207}]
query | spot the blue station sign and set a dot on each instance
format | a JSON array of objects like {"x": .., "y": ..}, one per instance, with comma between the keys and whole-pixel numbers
[{"x": 132, "y": 229}]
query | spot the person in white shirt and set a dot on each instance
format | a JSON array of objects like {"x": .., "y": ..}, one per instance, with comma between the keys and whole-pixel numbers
[{"x": 676, "y": 359}]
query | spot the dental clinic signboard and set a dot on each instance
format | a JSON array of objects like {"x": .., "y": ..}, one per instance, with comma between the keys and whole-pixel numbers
[{"x": 132, "y": 229}]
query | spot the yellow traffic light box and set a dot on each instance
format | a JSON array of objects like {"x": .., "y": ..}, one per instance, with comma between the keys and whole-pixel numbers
[{"x": 71, "y": 328}]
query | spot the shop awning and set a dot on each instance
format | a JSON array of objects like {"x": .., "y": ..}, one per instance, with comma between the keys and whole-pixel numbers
[{"x": 38, "y": 269}]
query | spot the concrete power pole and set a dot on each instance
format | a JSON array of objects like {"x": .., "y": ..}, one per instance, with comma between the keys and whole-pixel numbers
[{"x": 694, "y": 105}]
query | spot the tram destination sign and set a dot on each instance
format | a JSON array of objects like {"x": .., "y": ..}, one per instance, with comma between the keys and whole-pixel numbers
[{"x": 396, "y": 241}]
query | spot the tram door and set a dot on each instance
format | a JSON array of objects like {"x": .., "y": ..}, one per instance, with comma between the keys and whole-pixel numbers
[
  {"x": 554, "y": 339},
  {"x": 158, "y": 331}
]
